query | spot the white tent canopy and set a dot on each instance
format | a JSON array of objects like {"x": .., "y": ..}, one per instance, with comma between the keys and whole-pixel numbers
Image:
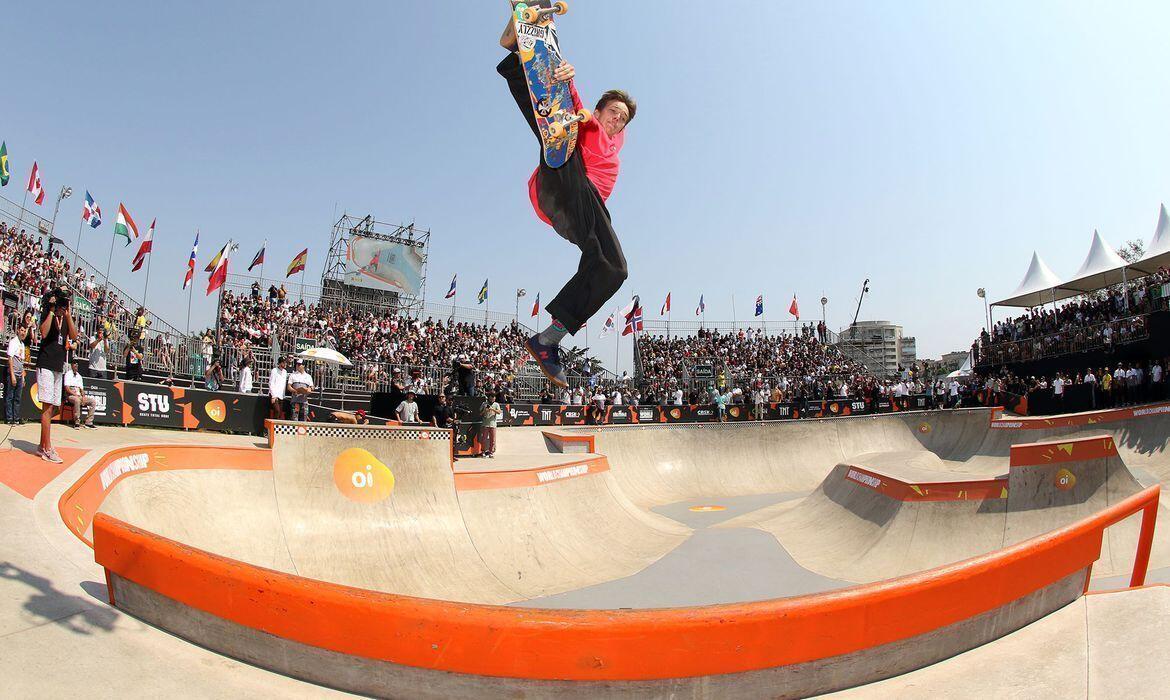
[
  {"x": 1103, "y": 267},
  {"x": 1036, "y": 287},
  {"x": 1158, "y": 254}
]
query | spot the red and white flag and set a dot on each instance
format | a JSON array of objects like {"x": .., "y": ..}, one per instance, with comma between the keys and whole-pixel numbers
[
  {"x": 34, "y": 185},
  {"x": 144, "y": 249},
  {"x": 191, "y": 262},
  {"x": 665, "y": 306},
  {"x": 219, "y": 274},
  {"x": 794, "y": 309},
  {"x": 536, "y": 306}
]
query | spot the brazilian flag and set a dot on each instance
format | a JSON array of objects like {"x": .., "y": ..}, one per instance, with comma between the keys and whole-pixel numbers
[
  {"x": 4, "y": 171},
  {"x": 483, "y": 292}
]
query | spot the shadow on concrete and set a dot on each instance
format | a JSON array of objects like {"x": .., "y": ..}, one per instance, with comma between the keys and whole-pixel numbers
[{"x": 74, "y": 613}]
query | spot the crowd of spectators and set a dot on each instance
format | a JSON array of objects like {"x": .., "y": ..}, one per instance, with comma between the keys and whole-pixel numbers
[
  {"x": 1108, "y": 386},
  {"x": 797, "y": 366},
  {"x": 385, "y": 347},
  {"x": 1101, "y": 319}
]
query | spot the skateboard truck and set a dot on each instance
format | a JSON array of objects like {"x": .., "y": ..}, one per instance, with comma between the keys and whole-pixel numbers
[
  {"x": 557, "y": 127},
  {"x": 532, "y": 15}
]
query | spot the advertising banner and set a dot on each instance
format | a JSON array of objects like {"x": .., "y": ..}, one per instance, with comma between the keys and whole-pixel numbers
[{"x": 384, "y": 265}]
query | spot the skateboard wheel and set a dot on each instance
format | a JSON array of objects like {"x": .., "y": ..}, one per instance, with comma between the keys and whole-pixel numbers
[
  {"x": 530, "y": 15},
  {"x": 556, "y": 130},
  {"x": 560, "y": 7},
  {"x": 584, "y": 115}
]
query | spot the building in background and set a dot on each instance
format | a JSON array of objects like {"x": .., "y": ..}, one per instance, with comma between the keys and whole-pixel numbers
[{"x": 883, "y": 341}]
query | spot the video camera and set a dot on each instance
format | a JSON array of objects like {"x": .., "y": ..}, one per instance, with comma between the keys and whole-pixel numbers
[{"x": 58, "y": 297}]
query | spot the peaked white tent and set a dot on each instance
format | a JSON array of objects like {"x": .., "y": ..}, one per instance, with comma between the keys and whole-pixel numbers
[
  {"x": 1036, "y": 288},
  {"x": 1103, "y": 267},
  {"x": 1158, "y": 254}
]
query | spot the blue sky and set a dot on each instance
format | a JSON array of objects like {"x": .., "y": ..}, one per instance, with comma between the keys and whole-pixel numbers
[{"x": 802, "y": 147}]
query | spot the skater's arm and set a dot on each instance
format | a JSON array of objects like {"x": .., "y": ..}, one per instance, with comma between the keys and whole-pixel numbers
[
  {"x": 508, "y": 38},
  {"x": 565, "y": 73}
]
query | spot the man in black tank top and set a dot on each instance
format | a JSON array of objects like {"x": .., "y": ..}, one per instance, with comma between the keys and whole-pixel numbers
[{"x": 56, "y": 328}]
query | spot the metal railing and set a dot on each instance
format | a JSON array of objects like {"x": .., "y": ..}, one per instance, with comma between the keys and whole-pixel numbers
[{"x": 1074, "y": 340}]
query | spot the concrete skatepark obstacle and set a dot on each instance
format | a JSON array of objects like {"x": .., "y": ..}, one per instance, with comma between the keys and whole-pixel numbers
[{"x": 289, "y": 566}]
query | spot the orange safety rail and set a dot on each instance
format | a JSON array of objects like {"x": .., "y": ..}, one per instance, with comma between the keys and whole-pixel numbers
[
  {"x": 609, "y": 645},
  {"x": 81, "y": 501}
]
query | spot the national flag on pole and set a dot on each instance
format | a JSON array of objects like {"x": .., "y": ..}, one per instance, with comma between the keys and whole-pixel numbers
[
  {"x": 219, "y": 274},
  {"x": 298, "y": 263},
  {"x": 5, "y": 173},
  {"x": 144, "y": 249},
  {"x": 451, "y": 291},
  {"x": 34, "y": 185},
  {"x": 609, "y": 325},
  {"x": 259, "y": 257},
  {"x": 536, "y": 306},
  {"x": 124, "y": 225},
  {"x": 191, "y": 262},
  {"x": 91, "y": 213},
  {"x": 215, "y": 261},
  {"x": 483, "y": 292},
  {"x": 634, "y": 319},
  {"x": 793, "y": 308},
  {"x": 665, "y": 306},
  {"x": 701, "y": 307},
  {"x": 760, "y": 305}
]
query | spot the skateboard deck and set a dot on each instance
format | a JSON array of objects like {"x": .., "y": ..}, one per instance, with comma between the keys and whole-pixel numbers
[{"x": 540, "y": 54}]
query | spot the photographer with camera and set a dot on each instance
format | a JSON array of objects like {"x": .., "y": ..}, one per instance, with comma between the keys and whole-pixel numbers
[{"x": 56, "y": 328}]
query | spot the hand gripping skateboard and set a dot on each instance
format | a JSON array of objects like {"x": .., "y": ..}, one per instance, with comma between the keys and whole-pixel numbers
[{"x": 540, "y": 55}]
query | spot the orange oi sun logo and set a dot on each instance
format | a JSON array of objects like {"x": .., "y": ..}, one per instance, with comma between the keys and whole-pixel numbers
[
  {"x": 361, "y": 477},
  {"x": 35, "y": 396},
  {"x": 1065, "y": 480},
  {"x": 675, "y": 413},
  {"x": 216, "y": 410},
  {"x": 924, "y": 428},
  {"x": 734, "y": 412}
]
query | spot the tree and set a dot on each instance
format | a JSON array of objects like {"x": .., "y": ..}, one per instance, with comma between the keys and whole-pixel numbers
[{"x": 1132, "y": 251}]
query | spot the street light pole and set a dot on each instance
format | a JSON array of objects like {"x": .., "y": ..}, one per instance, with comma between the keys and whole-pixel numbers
[
  {"x": 824, "y": 320},
  {"x": 65, "y": 193},
  {"x": 982, "y": 293},
  {"x": 519, "y": 293}
]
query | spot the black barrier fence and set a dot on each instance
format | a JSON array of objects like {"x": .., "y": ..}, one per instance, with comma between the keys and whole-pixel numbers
[{"x": 154, "y": 405}]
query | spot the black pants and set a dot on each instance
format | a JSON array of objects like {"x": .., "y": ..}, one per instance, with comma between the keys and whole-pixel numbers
[{"x": 578, "y": 214}]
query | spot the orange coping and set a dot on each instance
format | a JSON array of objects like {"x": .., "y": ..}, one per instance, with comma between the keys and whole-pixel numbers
[
  {"x": 973, "y": 490},
  {"x": 537, "y": 476},
  {"x": 1073, "y": 420},
  {"x": 1059, "y": 451},
  {"x": 81, "y": 501},
  {"x": 609, "y": 645}
]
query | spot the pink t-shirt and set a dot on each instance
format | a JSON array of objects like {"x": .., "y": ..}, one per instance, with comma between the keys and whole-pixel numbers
[{"x": 599, "y": 153}]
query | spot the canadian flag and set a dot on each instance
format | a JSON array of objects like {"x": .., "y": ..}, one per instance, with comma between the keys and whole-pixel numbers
[
  {"x": 794, "y": 309},
  {"x": 34, "y": 184},
  {"x": 665, "y": 306}
]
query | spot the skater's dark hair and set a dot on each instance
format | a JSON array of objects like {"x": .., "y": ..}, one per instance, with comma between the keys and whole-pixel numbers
[{"x": 618, "y": 96}]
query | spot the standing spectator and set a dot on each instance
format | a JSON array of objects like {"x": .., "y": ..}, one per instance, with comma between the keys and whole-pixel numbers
[
  {"x": 277, "y": 386},
  {"x": 1107, "y": 388},
  {"x": 1156, "y": 384},
  {"x": 14, "y": 376},
  {"x": 244, "y": 385},
  {"x": 444, "y": 414},
  {"x": 55, "y": 328},
  {"x": 301, "y": 384},
  {"x": 1090, "y": 380},
  {"x": 99, "y": 350},
  {"x": 465, "y": 374},
  {"x": 487, "y": 433},
  {"x": 166, "y": 356},
  {"x": 77, "y": 397},
  {"x": 133, "y": 362},
  {"x": 213, "y": 380},
  {"x": 953, "y": 401},
  {"x": 407, "y": 411}
]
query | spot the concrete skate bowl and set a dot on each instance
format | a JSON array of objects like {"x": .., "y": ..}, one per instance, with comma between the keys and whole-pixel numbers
[{"x": 391, "y": 584}]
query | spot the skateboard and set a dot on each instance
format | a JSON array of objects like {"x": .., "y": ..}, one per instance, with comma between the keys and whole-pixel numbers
[{"x": 540, "y": 54}]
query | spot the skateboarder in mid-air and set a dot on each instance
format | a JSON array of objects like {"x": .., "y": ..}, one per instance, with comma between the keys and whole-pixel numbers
[{"x": 571, "y": 199}]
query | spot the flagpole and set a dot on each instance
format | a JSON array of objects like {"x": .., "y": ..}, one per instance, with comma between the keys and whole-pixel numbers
[
  {"x": 149, "y": 259},
  {"x": 191, "y": 293},
  {"x": 733, "y": 321},
  {"x": 109, "y": 261},
  {"x": 265, "y": 249},
  {"x": 80, "y": 228},
  {"x": 23, "y": 203}
]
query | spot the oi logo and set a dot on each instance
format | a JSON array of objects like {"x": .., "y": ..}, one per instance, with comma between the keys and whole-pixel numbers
[{"x": 361, "y": 477}]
